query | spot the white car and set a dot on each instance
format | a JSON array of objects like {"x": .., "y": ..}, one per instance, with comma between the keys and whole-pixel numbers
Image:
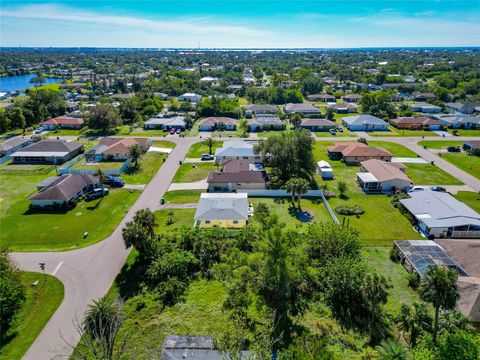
[
  {"x": 416, "y": 188},
  {"x": 39, "y": 130}
]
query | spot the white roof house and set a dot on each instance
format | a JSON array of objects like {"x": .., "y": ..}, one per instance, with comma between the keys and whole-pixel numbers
[
  {"x": 190, "y": 97},
  {"x": 222, "y": 206},
  {"x": 176, "y": 122},
  {"x": 441, "y": 215},
  {"x": 236, "y": 150},
  {"x": 364, "y": 123}
]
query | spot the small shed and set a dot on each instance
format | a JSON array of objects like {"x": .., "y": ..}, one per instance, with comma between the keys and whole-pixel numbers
[{"x": 325, "y": 170}]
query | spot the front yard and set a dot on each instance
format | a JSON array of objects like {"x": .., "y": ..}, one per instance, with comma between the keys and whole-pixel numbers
[
  {"x": 428, "y": 174},
  {"x": 183, "y": 196},
  {"x": 145, "y": 171},
  {"x": 25, "y": 230},
  {"x": 400, "y": 132},
  {"x": 469, "y": 198},
  {"x": 191, "y": 172},
  {"x": 171, "y": 219},
  {"x": 196, "y": 150}
]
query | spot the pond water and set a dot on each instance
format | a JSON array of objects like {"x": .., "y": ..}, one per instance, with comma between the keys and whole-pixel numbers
[{"x": 21, "y": 82}]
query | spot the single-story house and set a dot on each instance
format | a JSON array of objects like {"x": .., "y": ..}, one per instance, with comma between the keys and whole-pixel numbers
[
  {"x": 378, "y": 175},
  {"x": 301, "y": 108},
  {"x": 228, "y": 210},
  {"x": 13, "y": 144},
  {"x": 217, "y": 123},
  {"x": 471, "y": 145},
  {"x": 325, "y": 170},
  {"x": 416, "y": 123},
  {"x": 261, "y": 123},
  {"x": 322, "y": 98},
  {"x": 165, "y": 123},
  {"x": 459, "y": 121},
  {"x": 353, "y": 153},
  {"x": 64, "y": 122},
  {"x": 64, "y": 189},
  {"x": 71, "y": 106},
  {"x": 190, "y": 97},
  {"x": 259, "y": 109},
  {"x": 161, "y": 95},
  {"x": 342, "y": 108},
  {"x": 115, "y": 148},
  {"x": 426, "y": 108},
  {"x": 318, "y": 124},
  {"x": 440, "y": 215},
  {"x": 72, "y": 86},
  {"x": 352, "y": 98},
  {"x": 364, "y": 123},
  {"x": 121, "y": 96},
  {"x": 463, "y": 107},
  {"x": 237, "y": 175},
  {"x": 196, "y": 348},
  {"x": 236, "y": 150},
  {"x": 418, "y": 96},
  {"x": 47, "y": 152},
  {"x": 209, "y": 79}
]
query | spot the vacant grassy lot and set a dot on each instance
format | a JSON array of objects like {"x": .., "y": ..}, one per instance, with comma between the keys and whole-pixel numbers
[
  {"x": 400, "y": 293},
  {"x": 380, "y": 224},
  {"x": 196, "y": 150},
  {"x": 440, "y": 144},
  {"x": 191, "y": 172},
  {"x": 468, "y": 163},
  {"x": 147, "y": 168},
  {"x": 24, "y": 230},
  {"x": 398, "y": 132},
  {"x": 397, "y": 150},
  {"x": 181, "y": 217},
  {"x": 164, "y": 144},
  {"x": 104, "y": 165},
  {"x": 182, "y": 196},
  {"x": 466, "y": 132},
  {"x": 469, "y": 198},
  {"x": 428, "y": 174},
  {"x": 282, "y": 207},
  {"x": 40, "y": 304}
]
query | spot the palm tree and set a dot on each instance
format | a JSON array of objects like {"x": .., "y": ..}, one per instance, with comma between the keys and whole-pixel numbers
[
  {"x": 439, "y": 287},
  {"x": 243, "y": 124},
  {"x": 342, "y": 188},
  {"x": 295, "y": 119},
  {"x": 209, "y": 142},
  {"x": 414, "y": 320},
  {"x": 391, "y": 350},
  {"x": 297, "y": 186},
  {"x": 101, "y": 176},
  {"x": 136, "y": 153}
]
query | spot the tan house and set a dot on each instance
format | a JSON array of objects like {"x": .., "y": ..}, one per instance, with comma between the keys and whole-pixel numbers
[
  {"x": 227, "y": 210},
  {"x": 237, "y": 175},
  {"x": 115, "y": 148},
  {"x": 380, "y": 176},
  {"x": 353, "y": 153}
]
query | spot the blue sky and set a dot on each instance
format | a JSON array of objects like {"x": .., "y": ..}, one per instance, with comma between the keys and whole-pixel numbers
[{"x": 240, "y": 23}]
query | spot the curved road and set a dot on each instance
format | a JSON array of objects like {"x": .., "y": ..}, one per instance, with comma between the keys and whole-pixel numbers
[{"x": 89, "y": 272}]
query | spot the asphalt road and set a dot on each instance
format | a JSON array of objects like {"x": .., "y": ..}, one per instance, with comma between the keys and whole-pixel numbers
[{"x": 89, "y": 272}]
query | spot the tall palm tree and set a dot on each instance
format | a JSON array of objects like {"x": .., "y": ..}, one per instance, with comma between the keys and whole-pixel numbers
[
  {"x": 136, "y": 153},
  {"x": 209, "y": 142},
  {"x": 101, "y": 176},
  {"x": 298, "y": 187},
  {"x": 439, "y": 287},
  {"x": 243, "y": 124},
  {"x": 414, "y": 320}
]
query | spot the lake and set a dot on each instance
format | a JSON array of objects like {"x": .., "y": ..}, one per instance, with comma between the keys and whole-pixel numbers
[{"x": 21, "y": 82}]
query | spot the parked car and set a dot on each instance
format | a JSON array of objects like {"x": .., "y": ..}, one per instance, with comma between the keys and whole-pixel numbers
[
  {"x": 96, "y": 193},
  {"x": 39, "y": 130},
  {"x": 172, "y": 131},
  {"x": 332, "y": 131},
  {"x": 453, "y": 148},
  {"x": 416, "y": 188},
  {"x": 207, "y": 157},
  {"x": 178, "y": 131},
  {"x": 339, "y": 129},
  {"x": 114, "y": 182},
  {"x": 438, "y": 188}
]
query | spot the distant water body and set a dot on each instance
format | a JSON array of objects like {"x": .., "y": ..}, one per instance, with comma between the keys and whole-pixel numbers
[{"x": 22, "y": 82}]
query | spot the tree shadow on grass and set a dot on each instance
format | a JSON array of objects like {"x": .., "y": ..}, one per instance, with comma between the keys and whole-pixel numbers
[
  {"x": 127, "y": 280},
  {"x": 57, "y": 211},
  {"x": 302, "y": 216},
  {"x": 132, "y": 169},
  {"x": 97, "y": 204}
]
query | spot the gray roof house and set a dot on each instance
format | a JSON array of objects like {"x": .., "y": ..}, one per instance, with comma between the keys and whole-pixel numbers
[
  {"x": 426, "y": 108},
  {"x": 13, "y": 144},
  {"x": 222, "y": 209},
  {"x": 257, "y": 109},
  {"x": 236, "y": 150},
  {"x": 343, "y": 108},
  {"x": 364, "y": 123},
  {"x": 457, "y": 121},
  {"x": 63, "y": 189},
  {"x": 265, "y": 123},
  {"x": 47, "y": 151},
  {"x": 176, "y": 122},
  {"x": 463, "y": 107},
  {"x": 440, "y": 215},
  {"x": 318, "y": 124},
  {"x": 302, "y": 108},
  {"x": 194, "y": 348}
]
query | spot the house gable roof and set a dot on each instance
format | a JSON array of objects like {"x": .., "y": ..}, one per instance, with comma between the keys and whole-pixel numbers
[{"x": 65, "y": 187}]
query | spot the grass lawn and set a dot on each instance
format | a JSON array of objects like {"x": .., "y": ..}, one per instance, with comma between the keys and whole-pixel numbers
[
  {"x": 440, "y": 144},
  {"x": 196, "y": 150},
  {"x": 282, "y": 207},
  {"x": 64, "y": 132},
  {"x": 39, "y": 306},
  {"x": 104, "y": 165},
  {"x": 466, "y": 132},
  {"x": 164, "y": 144},
  {"x": 183, "y": 196},
  {"x": 191, "y": 172},
  {"x": 468, "y": 163},
  {"x": 400, "y": 293},
  {"x": 8, "y": 166},
  {"x": 399, "y": 132},
  {"x": 397, "y": 150},
  {"x": 469, "y": 198},
  {"x": 182, "y": 217},
  {"x": 23, "y": 230},
  {"x": 147, "y": 168},
  {"x": 428, "y": 174},
  {"x": 380, "y": 224}
]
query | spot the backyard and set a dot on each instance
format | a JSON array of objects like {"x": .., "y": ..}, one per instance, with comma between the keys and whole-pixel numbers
[
  {"x": 191, "y": 172},
  {"x": 170, "y": 219},
  {"x": 26, "y": 230},
  {"x": 40, "y": 304}
]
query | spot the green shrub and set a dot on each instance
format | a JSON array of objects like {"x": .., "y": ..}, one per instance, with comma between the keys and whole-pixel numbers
[{"x": 349, "y": 210}]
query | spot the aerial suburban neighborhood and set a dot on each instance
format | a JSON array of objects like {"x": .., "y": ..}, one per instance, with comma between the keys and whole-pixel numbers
[{"x": 237, "y": 203}]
